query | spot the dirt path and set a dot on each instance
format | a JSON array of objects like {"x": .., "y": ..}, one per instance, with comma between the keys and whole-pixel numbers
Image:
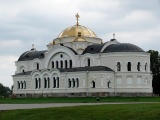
[{"x": 48, "y": 105}]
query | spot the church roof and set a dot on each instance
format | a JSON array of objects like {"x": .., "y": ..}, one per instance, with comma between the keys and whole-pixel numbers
[
  {"x": 122, "y": 47},
  {"x": 91, "y": 68},
  {"x": 95, "y": 48},
  {"x": 76, "y": 69},
  {"x": 77, "y": 30},
  {"x": 32, "y": 54},
  {"x": 119, "y": 47},
  {"x": 72, "y": 50}
]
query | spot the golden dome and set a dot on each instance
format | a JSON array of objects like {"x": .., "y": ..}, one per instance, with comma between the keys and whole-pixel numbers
[{"x": 77, "y": 31}]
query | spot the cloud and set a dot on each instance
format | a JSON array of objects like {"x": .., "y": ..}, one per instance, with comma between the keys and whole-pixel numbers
[
  {"x": 23, "y": 23},
  {"x": 7, "y": 69}
]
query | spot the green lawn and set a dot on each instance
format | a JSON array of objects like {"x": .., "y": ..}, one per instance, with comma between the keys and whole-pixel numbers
[
  {"x": 94, "y": 112},
  {"x": 78, "y": 100}
]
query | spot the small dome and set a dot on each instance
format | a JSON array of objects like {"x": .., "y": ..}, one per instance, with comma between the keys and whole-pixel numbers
[
  {"x": 77, "y": 31},
  {"x": 122, "y": 47}
]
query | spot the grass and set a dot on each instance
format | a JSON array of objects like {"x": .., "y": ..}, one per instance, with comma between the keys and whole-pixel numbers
[
  {"x": 94, "y": 112},
  {"x": 77, "y": 100}
]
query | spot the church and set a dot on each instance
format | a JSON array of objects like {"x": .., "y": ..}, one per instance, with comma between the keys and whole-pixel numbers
[{"x": 78, "y": 64}]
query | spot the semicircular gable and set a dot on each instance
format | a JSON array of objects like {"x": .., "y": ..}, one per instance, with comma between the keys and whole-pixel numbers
[{"x": 59, "y": 49}]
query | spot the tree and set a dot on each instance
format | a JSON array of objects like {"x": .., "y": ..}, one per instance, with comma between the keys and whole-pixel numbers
[
  {"x": 4, "y": 91},
  {"x": 155, "y": 68}
]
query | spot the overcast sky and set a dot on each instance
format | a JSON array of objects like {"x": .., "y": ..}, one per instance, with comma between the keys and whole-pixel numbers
[{"x": 27, "y": 22}]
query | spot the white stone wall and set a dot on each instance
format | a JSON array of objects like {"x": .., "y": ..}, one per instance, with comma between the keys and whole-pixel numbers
[{"x": 122, "y": 81}]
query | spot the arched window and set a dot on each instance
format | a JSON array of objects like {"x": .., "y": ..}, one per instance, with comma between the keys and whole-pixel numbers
[
  {"x": 24, "y": 85},
  {"x": 36, "y": 83},
  {"x": 73, "y": 81},
  {"x": 70, "y": 61},
  {"x": 108, "y": 84},
  {"x": 48, "y": 81},
  {"x": 69, "y": 83},
  {"x": 93, "y": 84},
  {"x": 66, "y": 63},
  {"x": 129, "y": 66},
  {"x": 37, "y": 66},
  {"x": 45, "y": 83},
  {"x": 52, "y": 64},
  {"x": 56, "y": 64},
  {"x": 61, "y": 64},
  {"x": 88, "y": 62},
  {"x": 57, "y": 82},
  {"x": 118, "y": 66},
  {"x": 146, "y": 67},
  {"x": 54, "y": 82},
  {"x": 39, "y": 81},
  {"x": 77, "y": 82},
  {"x": 138, "y": 66},
  {"x": 18, "y": 85}
]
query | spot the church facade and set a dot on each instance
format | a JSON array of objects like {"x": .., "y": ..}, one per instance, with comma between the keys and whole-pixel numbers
[{"x": 78, "y": 63}]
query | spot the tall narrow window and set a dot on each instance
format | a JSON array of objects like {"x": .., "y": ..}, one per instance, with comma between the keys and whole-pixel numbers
[
  {"x": 18, "y": 85},
  {"x": 56, "y": 64},
  {"x": 73, "y": 81},
  {"x": 37, "y": 66},
  {"x": 118, "y": 66},
  {"x": 70, "y": 61},
  {"x": 69, "y": 83},
  {"x": 36, "y": 83},
  {"x": 39, "y": 83},
  {"x": 108, "y": 84},
  {"x": 61, "y": 64},
  {"x": 54, "y": 82},
  {"x": 77, "y": 82},
  {"x": 45, "y": 83},
  {"x": 146, "y": 67},
  {"x": 88, "y": 62},
  {"x": 66, "y": 63},
  {"x": 48, "y": 81},
  {"x": 52, "y": 64},
  {"x": 57, "y": 82},
  {"x": 129, "y": 66},
  {"x": 24, "y": 85},
  {"x": 138, "y": 66},
  {"x": 93, "y": 84}
]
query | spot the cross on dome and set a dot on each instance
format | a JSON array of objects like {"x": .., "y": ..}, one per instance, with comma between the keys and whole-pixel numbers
[
  {"x": 77, "y": 18},
  {"x": 113, "y": 36}
]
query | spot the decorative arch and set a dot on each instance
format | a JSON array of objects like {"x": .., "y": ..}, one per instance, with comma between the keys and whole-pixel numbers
[
  {"x": 22, "y": 68},
  {"x": 87, "y": 59},
  {"x": 59, "y": 49},
  {"x": 93, "y": 82},
  {"x": 34, "y": 65}
]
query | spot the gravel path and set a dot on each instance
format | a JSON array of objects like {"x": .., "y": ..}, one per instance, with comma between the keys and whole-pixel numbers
[{"x": 48, "y": 105}]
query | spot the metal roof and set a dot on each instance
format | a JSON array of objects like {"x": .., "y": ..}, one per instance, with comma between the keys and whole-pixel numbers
[
  {"x": 122, "y": 47},
  {"x": 95, "y": 48},
  {"x": 76, "y": 69},
  {"x": 32, "y": 54}
]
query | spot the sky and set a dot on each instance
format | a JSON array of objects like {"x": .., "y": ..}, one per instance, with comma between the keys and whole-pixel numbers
[{"x": 38, "y": 22}]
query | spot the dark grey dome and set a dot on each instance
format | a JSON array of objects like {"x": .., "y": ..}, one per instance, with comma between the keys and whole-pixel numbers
[
  {"x": 122, "y": 47},
  {"x": 30, "y": 55},
  {"x": 95, "y": 48}
]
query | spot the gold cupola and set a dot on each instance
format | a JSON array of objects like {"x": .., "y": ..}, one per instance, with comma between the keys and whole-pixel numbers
[{"x": 77, "y": 31}]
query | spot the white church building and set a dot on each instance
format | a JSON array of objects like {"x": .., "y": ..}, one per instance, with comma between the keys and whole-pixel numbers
[{"x": 78, "y": 63}]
